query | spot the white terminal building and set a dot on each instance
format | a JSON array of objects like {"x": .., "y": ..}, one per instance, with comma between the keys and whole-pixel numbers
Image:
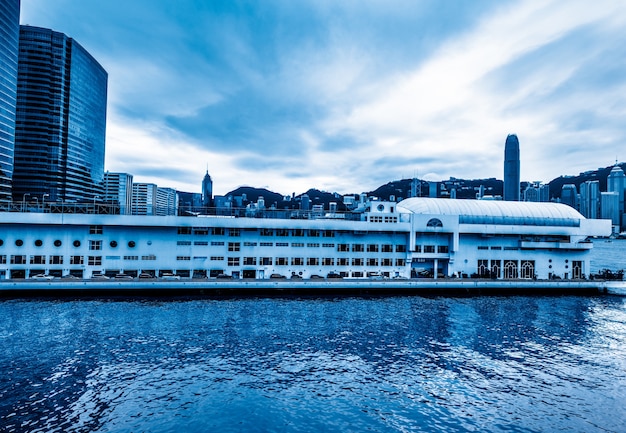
[{"x": 415, "y": 238}]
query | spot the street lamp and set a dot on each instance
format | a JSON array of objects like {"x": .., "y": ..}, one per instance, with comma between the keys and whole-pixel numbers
[
  {"x": 43, "y": 201},
  {"x": 24, "y": 201},
  {"x": 94, "y": 202}
]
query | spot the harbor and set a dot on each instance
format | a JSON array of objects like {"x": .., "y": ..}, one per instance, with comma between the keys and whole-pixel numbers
[{"x": 313, "y": 287}]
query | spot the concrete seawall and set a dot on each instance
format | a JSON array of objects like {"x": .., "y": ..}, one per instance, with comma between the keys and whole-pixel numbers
[{"x": 229, "y": 288}]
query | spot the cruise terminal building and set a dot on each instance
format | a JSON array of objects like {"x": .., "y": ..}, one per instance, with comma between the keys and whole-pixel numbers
[{"x": 415, "y": 238}]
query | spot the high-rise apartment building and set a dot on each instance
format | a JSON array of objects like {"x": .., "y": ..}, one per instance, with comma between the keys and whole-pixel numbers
[
  {"x": 144, "y": 199},
  {"x": 166, "y": 201},
  {"x": 569, "y": 195},
  {"x": 511, "y": 169},
  {"x": 9, "y": 42},
  {"x": 118, "y": 191},
  {"x": 61, "y": 119},
  {"x": 590, "y": 199}
]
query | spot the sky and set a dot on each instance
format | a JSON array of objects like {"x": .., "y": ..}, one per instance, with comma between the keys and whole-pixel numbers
[{"x": 345, "y": 96}]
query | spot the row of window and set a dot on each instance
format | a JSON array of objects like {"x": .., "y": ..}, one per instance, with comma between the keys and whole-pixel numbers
[
  {"x": 370, "y": 248},
  {"x": 310, "y": 261},
  {"x": 497, "y": 248},
  {"x": 19, "y": 259},
  {"x": 440, "y": 249},
  {"x": 93, "y": 245},
  {"x": 234, "y": 232}
]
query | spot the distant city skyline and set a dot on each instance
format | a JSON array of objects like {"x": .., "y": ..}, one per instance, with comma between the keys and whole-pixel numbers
[{"x": 347, "y": 96}]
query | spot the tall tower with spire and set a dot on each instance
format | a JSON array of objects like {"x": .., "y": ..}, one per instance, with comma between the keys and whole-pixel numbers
[
  {"x": 511, "y": 169},
  {"x": 207, "y": 190}
]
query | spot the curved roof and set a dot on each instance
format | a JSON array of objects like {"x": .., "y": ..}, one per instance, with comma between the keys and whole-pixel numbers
[{"x": 489, "y": 208}]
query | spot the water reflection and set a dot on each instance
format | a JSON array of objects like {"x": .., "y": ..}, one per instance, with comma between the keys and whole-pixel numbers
[{"x": 406, "y": 364}]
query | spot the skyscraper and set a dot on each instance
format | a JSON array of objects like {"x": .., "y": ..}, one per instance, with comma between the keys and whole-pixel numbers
[
  {"x": 118, "y": 190},
  {"x": 207, "y": 190},
  {"x": 9, "y": 42},
  {"x": 61, "y": 118},
  {"x": 144, "y": 198},
  {"x": 511, "y": 169}
]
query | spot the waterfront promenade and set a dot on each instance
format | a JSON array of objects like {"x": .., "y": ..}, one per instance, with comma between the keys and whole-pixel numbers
[{"x": 315, "y": 287}]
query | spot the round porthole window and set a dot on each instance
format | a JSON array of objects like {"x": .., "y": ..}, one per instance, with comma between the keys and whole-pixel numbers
[
  {"x": 38, "y": 243},
  {"x": 57, "y": 243},
  {"x": 77, "y": 243},
  {"x": 19, "y": 242},
  {"x": 1, "y": 242},
  {"x": 131, "y": 244},
  {"x": 381, "y": 207},
  {"x": 113, "y": 244},
  {"x": 149, "y": 243}
]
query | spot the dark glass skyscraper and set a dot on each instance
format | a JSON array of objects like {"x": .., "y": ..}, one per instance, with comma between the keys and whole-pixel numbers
[
  {"x": 61, "y": 119},
  {"x": 511, "y": 169},
  {"x": 9, "y": 41}
]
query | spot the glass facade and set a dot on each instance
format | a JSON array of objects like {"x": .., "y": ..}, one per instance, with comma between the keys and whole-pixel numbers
[
  {"x": 61, "y": 119},
  {"x": 9, "y": 41}
]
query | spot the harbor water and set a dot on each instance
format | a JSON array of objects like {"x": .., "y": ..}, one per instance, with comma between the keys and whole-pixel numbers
[{"x": 525, "y": 364}]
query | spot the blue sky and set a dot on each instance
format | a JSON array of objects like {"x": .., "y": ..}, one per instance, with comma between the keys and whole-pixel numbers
[{"x": 347, "y": 95}]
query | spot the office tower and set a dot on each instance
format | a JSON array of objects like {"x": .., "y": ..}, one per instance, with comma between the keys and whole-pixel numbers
[
  {"x": 569, "y": 195},
  {"x": 9, "y": 42},
  {"x": 609, "y": 204},
  {"x": 118, "y": 191},
  {"x": 61, "y": 117},
  {"x": 511, "y": 169},
  {"x": 207, "y": 190},
  {"x": 166, "y": 202},
  {"x": 590, "y": 199},
  {"x": 144, "y": 199},
  {"x": 531, "y": 193},
  {"x": 544, "y": 193},
  {"x": 616, "y": 182}
]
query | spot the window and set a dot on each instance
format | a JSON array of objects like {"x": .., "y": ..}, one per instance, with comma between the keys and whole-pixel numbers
[
  {"x": 3, "y": 260},
  {"x": 343, "y": 261},
  {"x": 76, "y": 243},
  {"x": 357, "y": 248},
  {"x": 372, "y": 262},
  {"x": 297, "y": 245},
  {"x": 112, "y": 257},
  {"x": 357, "y": 274},
  {"x": 58, "y": 243},
  {"x": 386, "y": 248},
  {"x": 313, "y": 245},
  {"x": 297, "y": 261},
  {"x": 429, "y": 248},
  {"x": 442, "y": 249},
  {"x": 400, "y": 262},
  {"x": 418, "y": 248},
  {"x": 328, "y": 261},
  {"x": 266, "y": 261},
  {"x": 434, "y": 222},
  {"x": 37, "y": 260},
  {"x": 216, "y": 258},
  {"x": 95, "y": 230},
  {"x": 343, "y": 248},
  {"x": 184, "y": 230},
  {"x": 94, "y": 261},
  {"x": 38, "y": 243},
  {"x": 76, "y": 260},
  {"x": 372, "y": 248},
  {"x": 148, "y": 257},
  {"x": 282, "y": 244},
  {"x": 131, "y": 257},
  {"x": 131, "y": 244},
  {"x": 386, "y": 262},
  {"x": 249, "y": 261},
  {"x": 217, "y": 244},
  {"x": 298, "y": 232},
  {"x": 200, "y": 231},
  {"x": 183, "y": 243},
  {"x": 95, "y": 245},
  {"x": 233, "y": 261},
  {"x": 328, "y": 245},
  {"x": 234, "y": 246},
  {"x": 267, "y": 244},
  {"x": 234, "y": 232},
  {"x": 400, "y": 248},
  {"x": 18, "y": 260},
  {"x": 312, "y": 261},
  {"x": 329, "y": 234},
  {"x": 113, "y": 244},
  {"x": 56, "y": 260},
  {"x": 218, "y": 231},
  {"x": 314, "y": 233},
  {"x": 282, "y": 232},
  {"x": 267, "y": 232},
  {"x": 183, "y": 258},
  {"x": 357, "y": 262},
  {"x": 282, "y": 261},
  {"x": 249, "y": 244}
]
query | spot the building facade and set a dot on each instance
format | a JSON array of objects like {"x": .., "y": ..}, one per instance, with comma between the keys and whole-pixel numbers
[
  {"x": 61, "y": 119},
  {"x": 414, "y": 238},
  {"x": 511, "y": 169},
  {"x": 144, "y": 199},
  {"x": 166, "y": 201},
  {"x": 118, "y": 191},
  {"x": 9, "y": 43}
]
